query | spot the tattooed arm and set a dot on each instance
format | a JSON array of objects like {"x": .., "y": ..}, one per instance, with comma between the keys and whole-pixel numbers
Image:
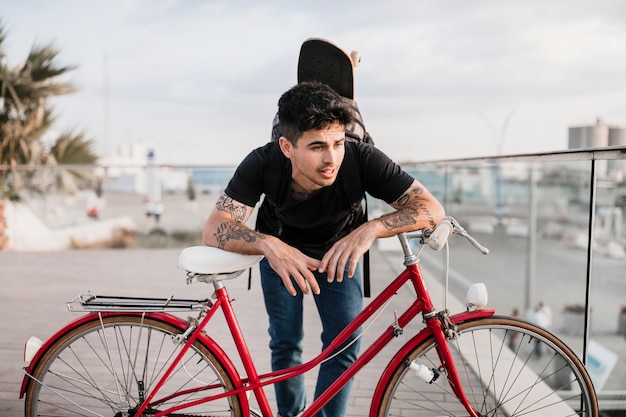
[
  {"x": 416, "y": 209},
  {"x": 225, "y": 228}
]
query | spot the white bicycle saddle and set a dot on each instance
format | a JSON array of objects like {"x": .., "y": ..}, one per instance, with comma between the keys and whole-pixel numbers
[{"x": 214, "y": 261}]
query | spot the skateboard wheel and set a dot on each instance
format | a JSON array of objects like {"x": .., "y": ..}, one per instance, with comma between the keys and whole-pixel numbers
[{"x": 355, "y": 56}]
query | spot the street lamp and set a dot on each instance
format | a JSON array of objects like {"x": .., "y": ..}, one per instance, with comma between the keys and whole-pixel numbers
[
  {"x": 499, "y": 145},
  {"x": 500, "y": 136}
]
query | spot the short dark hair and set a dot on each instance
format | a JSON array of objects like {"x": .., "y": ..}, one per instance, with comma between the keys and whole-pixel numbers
[{"x": 311, "y": 106}]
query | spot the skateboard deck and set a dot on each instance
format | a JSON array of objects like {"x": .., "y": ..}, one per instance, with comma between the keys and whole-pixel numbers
[{"x": 324, "y": 61}]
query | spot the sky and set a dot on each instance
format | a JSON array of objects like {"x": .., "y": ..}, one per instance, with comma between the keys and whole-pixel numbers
[{"x": 198, "y": 81}]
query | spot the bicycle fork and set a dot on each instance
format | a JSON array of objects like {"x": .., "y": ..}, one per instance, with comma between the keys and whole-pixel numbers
[{"x": 443, "y": 330}]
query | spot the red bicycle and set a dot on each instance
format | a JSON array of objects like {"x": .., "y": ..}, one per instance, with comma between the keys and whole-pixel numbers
[{"x": 133, "y": 357}]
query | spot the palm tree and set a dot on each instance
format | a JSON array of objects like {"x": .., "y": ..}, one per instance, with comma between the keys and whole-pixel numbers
[
  {"x": 72, "y": 152},
  {"x": 25, "y": 116}
]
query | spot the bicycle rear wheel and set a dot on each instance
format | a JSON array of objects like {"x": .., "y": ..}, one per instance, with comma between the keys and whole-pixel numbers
[
  {"x": 104, "y": 367},
  {"x": 507, "y": 368}
]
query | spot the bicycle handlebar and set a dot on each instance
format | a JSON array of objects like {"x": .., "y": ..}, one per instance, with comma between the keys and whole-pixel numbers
[
  {"x": 439, "y": 236},
  {"x": 436, "y": 239}
]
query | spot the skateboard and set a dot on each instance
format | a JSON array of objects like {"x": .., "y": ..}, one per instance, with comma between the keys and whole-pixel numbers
[{"x": 324, "y": 61}]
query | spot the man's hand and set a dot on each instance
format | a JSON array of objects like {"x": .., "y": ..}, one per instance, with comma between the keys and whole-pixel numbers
[
  {"x": 416, "y": 209},
  {"x": 348, "y": 251},
  {"x": 225, "y": 228},
  {"x": 289, "y": 262}
]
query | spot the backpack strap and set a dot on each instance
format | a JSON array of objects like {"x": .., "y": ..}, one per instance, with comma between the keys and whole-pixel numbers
[
  {"x": 367, "y": 288},
  {"x": 356, "y": 129}
]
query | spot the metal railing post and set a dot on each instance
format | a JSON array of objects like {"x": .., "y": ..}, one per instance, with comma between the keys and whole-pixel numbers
[{"x": 590, "y": 240}]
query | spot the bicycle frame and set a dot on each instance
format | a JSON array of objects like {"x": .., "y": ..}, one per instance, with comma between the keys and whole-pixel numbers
[
  {"x": 423, "y": 304},
  {"x": 436, "y": 325}
]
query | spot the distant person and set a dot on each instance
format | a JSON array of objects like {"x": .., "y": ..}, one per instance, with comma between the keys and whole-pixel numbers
[
  {"x": 154, "y": 210},
  {"x": 93, "y": 205},
  {"x": 542, "y": 316},
  {"x": 93, "y": 212},
  {"x": 157, "y": 212},
  {"x": 514, "y": 335},
  {"x": 314, "y": 232},
  {"x": 148, "y": 208}
]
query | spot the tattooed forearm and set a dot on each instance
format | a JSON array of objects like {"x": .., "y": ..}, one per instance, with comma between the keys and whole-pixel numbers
[
  {"x": 227, "y": 204},
  {"x": 403, "y": 217},
  {"x": 406, "y": 197},
  {"x": 410, "y": 210},
  {"x": 228, "y": 231},
  {"x": 428, "y": 214}
]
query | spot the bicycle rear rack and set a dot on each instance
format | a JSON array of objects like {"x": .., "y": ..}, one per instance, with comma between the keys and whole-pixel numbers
[{"x": 89, "y": 302}]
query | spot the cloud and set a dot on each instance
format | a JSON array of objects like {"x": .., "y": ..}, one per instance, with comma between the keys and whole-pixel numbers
[{"x": 195, "y": 75}]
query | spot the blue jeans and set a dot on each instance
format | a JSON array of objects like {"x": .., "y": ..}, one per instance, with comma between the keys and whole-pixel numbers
[{"x": 338, "y": 303}]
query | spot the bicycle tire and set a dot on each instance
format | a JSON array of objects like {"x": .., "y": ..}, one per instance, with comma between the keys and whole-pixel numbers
[
  {"x": 103, "y": 366},
  {"x": 501, "y": 371}
]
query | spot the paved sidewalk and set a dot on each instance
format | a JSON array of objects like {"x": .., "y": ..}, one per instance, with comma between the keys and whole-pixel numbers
[{"x": 34, "y": 288}]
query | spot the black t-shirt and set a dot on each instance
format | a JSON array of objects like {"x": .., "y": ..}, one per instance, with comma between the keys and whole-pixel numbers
[{"x": 315, "y": 224}]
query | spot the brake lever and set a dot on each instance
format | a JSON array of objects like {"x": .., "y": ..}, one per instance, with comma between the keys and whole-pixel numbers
[{"x": 459, "y": 230}]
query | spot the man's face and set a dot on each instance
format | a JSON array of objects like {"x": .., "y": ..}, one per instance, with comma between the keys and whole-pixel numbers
[{"x": 316, "y": 158}]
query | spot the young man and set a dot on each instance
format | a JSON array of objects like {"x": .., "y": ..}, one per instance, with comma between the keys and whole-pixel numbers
[{"x": 312, "y": 233}]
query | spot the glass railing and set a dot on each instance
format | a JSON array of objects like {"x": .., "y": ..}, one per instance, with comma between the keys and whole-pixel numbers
[{"x": 554, "y": 224}]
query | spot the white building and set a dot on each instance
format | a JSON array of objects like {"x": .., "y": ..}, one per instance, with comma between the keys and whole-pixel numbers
[{"x": 600, "y": 135}]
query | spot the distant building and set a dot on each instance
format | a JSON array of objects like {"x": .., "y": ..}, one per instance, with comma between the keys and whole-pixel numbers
[
  {"x": 600, "y": 135},
  {"x": 134, "y": 169},
  {"x": 617, "y": 136},
  {"x": 596, "y": 136}
]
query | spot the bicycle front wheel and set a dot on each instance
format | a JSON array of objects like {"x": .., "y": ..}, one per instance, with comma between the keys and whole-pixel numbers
[
  {"x": 507, "y": 367},
  {"x": 109, "y": 366}
]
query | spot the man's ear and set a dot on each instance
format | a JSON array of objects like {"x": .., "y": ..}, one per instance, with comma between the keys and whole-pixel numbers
[{"x": 286, "y": 146}]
